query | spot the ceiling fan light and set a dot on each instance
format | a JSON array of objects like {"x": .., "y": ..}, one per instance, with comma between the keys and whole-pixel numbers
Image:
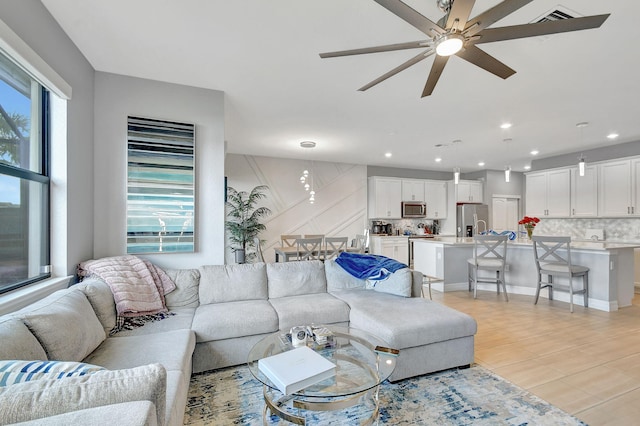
[{"x": 449, "y": 44}]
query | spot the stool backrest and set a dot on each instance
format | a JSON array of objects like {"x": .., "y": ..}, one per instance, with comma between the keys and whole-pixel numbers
[
  {"x": 490, "y": 247},
  {"x": 547, "y": 251}
]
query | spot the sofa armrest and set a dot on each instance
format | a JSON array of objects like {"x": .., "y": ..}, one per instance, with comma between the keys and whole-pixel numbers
[
  {"x": 57, "y": 396},
  {"x": 135, "y": 413}
]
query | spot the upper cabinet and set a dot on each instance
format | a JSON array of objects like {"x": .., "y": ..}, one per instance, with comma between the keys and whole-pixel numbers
[
  {"x": 619, "y": 190},
  {"x": 412, "y": 190},
  {"x": 384, "y": 198},
  {"x": 435, "y": 195},
  {"x": 548, "y": 193},
  {"x": 584, "y": 192},
  {"x": 469, "y": 191}
]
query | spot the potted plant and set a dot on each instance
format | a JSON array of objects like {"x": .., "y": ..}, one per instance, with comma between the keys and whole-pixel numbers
[{"x": 243, "y": 223}]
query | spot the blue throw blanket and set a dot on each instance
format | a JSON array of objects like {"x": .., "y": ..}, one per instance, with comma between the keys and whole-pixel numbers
[{"x": 368, "y": 266}]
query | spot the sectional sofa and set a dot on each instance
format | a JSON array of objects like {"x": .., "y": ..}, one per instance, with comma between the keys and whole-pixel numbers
[{"x": 141, "y": 376}]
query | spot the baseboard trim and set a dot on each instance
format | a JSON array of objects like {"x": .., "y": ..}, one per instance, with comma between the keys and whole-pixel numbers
[{"x": 578, "y": 300}]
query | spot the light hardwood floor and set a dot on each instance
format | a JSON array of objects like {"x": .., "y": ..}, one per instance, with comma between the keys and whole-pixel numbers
[{"x": 586, "y": 363}]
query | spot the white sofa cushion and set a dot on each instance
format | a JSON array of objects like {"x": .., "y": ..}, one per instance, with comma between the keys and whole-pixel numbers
[
  {"x": 231, "y": 283},
  {"x": 19, "y": 371},
  {"x": 307, "y": 309},
  {"x": 17, "y": 342},
  {"x": 52, "y": 397},
  {"x": 135, "y": 413},
  {"x": 397, "y": 283},
  {"x": 339, "y": 279},
  {"x": 65, "y": 324},
  {"x": 186, "y": 293},
  {"x": 101, "y": 298},
  {"x": 294, "y": 278},
  {"x": 234, "y": 319}
]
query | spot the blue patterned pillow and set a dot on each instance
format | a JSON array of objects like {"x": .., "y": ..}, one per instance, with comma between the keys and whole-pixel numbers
[{"x": 14, "y": 371}]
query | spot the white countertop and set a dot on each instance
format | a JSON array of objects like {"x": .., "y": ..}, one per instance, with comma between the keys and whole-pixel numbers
[{"x": 575, "y": 244}]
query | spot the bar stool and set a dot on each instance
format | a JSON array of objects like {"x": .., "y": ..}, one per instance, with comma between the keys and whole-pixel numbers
[
  {"x": 489, "y": 254},
  {"x": 551, "y": 262}
]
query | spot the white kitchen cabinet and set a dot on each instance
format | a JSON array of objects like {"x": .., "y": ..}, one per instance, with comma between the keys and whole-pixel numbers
[
  {"x": 548, "y": 194},
  {"x": 435, "y": 195},
  {"x": 393, "y": 247},
  {"x": 618, "y": 190},
  {"x": 469, "y": 191},
  {"x": 412, "y": 190},
  {"x": 384, "y": 198},
  {"x": 584, "y": 192}
]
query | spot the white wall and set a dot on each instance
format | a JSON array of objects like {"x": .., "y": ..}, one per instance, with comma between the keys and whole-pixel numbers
[
  {"x": 340, "y": 208},
  {"x": 118, "y": 96},
  {"x": 73, "y": 218}
]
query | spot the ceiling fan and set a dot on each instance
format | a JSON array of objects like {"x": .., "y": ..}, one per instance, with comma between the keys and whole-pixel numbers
[{"x": 456, "y": 34}]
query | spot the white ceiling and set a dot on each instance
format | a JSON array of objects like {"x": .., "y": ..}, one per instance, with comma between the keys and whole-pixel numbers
[{"x": 264, "y": 55}]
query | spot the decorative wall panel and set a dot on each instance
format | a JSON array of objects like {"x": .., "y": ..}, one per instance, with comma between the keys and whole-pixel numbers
[{"x": 160, "y": 186}]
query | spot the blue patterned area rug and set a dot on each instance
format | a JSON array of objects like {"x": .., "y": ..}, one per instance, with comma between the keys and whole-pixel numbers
[{"x": 472, "y": 396}]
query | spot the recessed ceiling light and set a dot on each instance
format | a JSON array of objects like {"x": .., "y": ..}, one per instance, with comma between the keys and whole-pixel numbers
[
  {"x": 438, "y": 159},
  {"x": 388, "y": 154},
  {"x": 535, "y": 152},
  {"x": 481, "y": 163},
  {"x": 505, "y": 125},
  {"x": 612, "y": 136},
  {"x": 527, "y": 167}
]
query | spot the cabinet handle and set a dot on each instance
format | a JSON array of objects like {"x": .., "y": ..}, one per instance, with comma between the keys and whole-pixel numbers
[
  {"x": 573, "y": 212},
  {"x": 628, "y": 210}
]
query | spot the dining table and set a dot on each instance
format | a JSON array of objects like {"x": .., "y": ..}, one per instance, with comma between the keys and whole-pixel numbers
[{"x": 287, "y": 254}]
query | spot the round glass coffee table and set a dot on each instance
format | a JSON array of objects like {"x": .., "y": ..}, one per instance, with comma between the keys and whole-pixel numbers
[{"x": 362, "y": 360}]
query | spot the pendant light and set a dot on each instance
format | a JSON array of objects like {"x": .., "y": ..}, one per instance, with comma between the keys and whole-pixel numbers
[
  {"x": 456, "y": 170},
  {"x": 507, "y": 169},
  {"x": 307, "y": 177},
  {"x": 581, "y": 162}
]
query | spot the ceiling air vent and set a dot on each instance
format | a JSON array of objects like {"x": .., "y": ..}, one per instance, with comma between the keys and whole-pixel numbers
[{"x": 556, "y": 14}]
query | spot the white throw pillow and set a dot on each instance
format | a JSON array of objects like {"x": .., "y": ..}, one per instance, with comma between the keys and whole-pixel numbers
[
  {"x": 18, "y": 371},
  {"x": 398, "y": 283}
]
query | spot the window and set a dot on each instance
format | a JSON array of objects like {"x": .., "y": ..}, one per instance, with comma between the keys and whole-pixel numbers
[{"x": 24, "y": 178}]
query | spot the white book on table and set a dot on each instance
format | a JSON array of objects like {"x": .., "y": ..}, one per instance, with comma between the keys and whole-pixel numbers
[{"x": 296, "y": 369}]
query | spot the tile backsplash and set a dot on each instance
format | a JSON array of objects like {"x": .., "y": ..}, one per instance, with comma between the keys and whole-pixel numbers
[{"x": 620, "y": 229}]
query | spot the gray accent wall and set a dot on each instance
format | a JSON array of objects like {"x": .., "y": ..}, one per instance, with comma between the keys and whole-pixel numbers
[
  {"x": 72, "y": 215},
  {"x": 118, "y": 96}
]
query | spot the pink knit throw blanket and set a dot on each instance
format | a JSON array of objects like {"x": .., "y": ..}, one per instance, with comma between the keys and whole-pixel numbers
[{"x": 137, "y": 285}]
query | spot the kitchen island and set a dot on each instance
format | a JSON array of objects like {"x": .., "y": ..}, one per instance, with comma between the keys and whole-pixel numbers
[{"x": 611, "y": 275}]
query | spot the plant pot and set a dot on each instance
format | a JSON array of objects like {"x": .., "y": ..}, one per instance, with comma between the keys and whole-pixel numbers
[{"x": 239, "y": 256}]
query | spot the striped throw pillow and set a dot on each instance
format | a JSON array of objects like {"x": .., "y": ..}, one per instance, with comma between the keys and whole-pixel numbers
[{"x": 16, "y": 371}]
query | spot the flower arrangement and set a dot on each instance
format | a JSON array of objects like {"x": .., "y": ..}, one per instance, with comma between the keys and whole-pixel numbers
[{"x": 529, "y": 223}]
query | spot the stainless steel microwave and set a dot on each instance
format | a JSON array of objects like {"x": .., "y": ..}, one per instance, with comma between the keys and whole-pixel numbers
[{"x": 414, "y": 209}]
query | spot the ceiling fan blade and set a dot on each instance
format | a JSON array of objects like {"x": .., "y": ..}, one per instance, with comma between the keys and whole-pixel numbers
[
  {"x": 542, "y": 28},
  {"x": 460, "y": 10},
  {"x": 434, "y": 74},
  {"x": 485, "y": 61},
  {"x": 412, "y": 16},
  {"x": 397, "y": 69},
  {"x": 491, "y": 16},
  {"x": 376, "y": 49}
]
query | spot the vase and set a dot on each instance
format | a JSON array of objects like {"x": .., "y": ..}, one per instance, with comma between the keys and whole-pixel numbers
[{"x": 529, "y": 231}]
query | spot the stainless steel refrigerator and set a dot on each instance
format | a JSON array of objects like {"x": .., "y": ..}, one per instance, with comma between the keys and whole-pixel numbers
[{"x": 471, "y": 219}]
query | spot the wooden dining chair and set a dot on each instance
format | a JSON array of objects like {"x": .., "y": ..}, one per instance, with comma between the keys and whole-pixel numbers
[
  {"x": 289, "y": 240},
  {"x": 333, "y": 246},
  {"x": 309, "y": 248}
]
